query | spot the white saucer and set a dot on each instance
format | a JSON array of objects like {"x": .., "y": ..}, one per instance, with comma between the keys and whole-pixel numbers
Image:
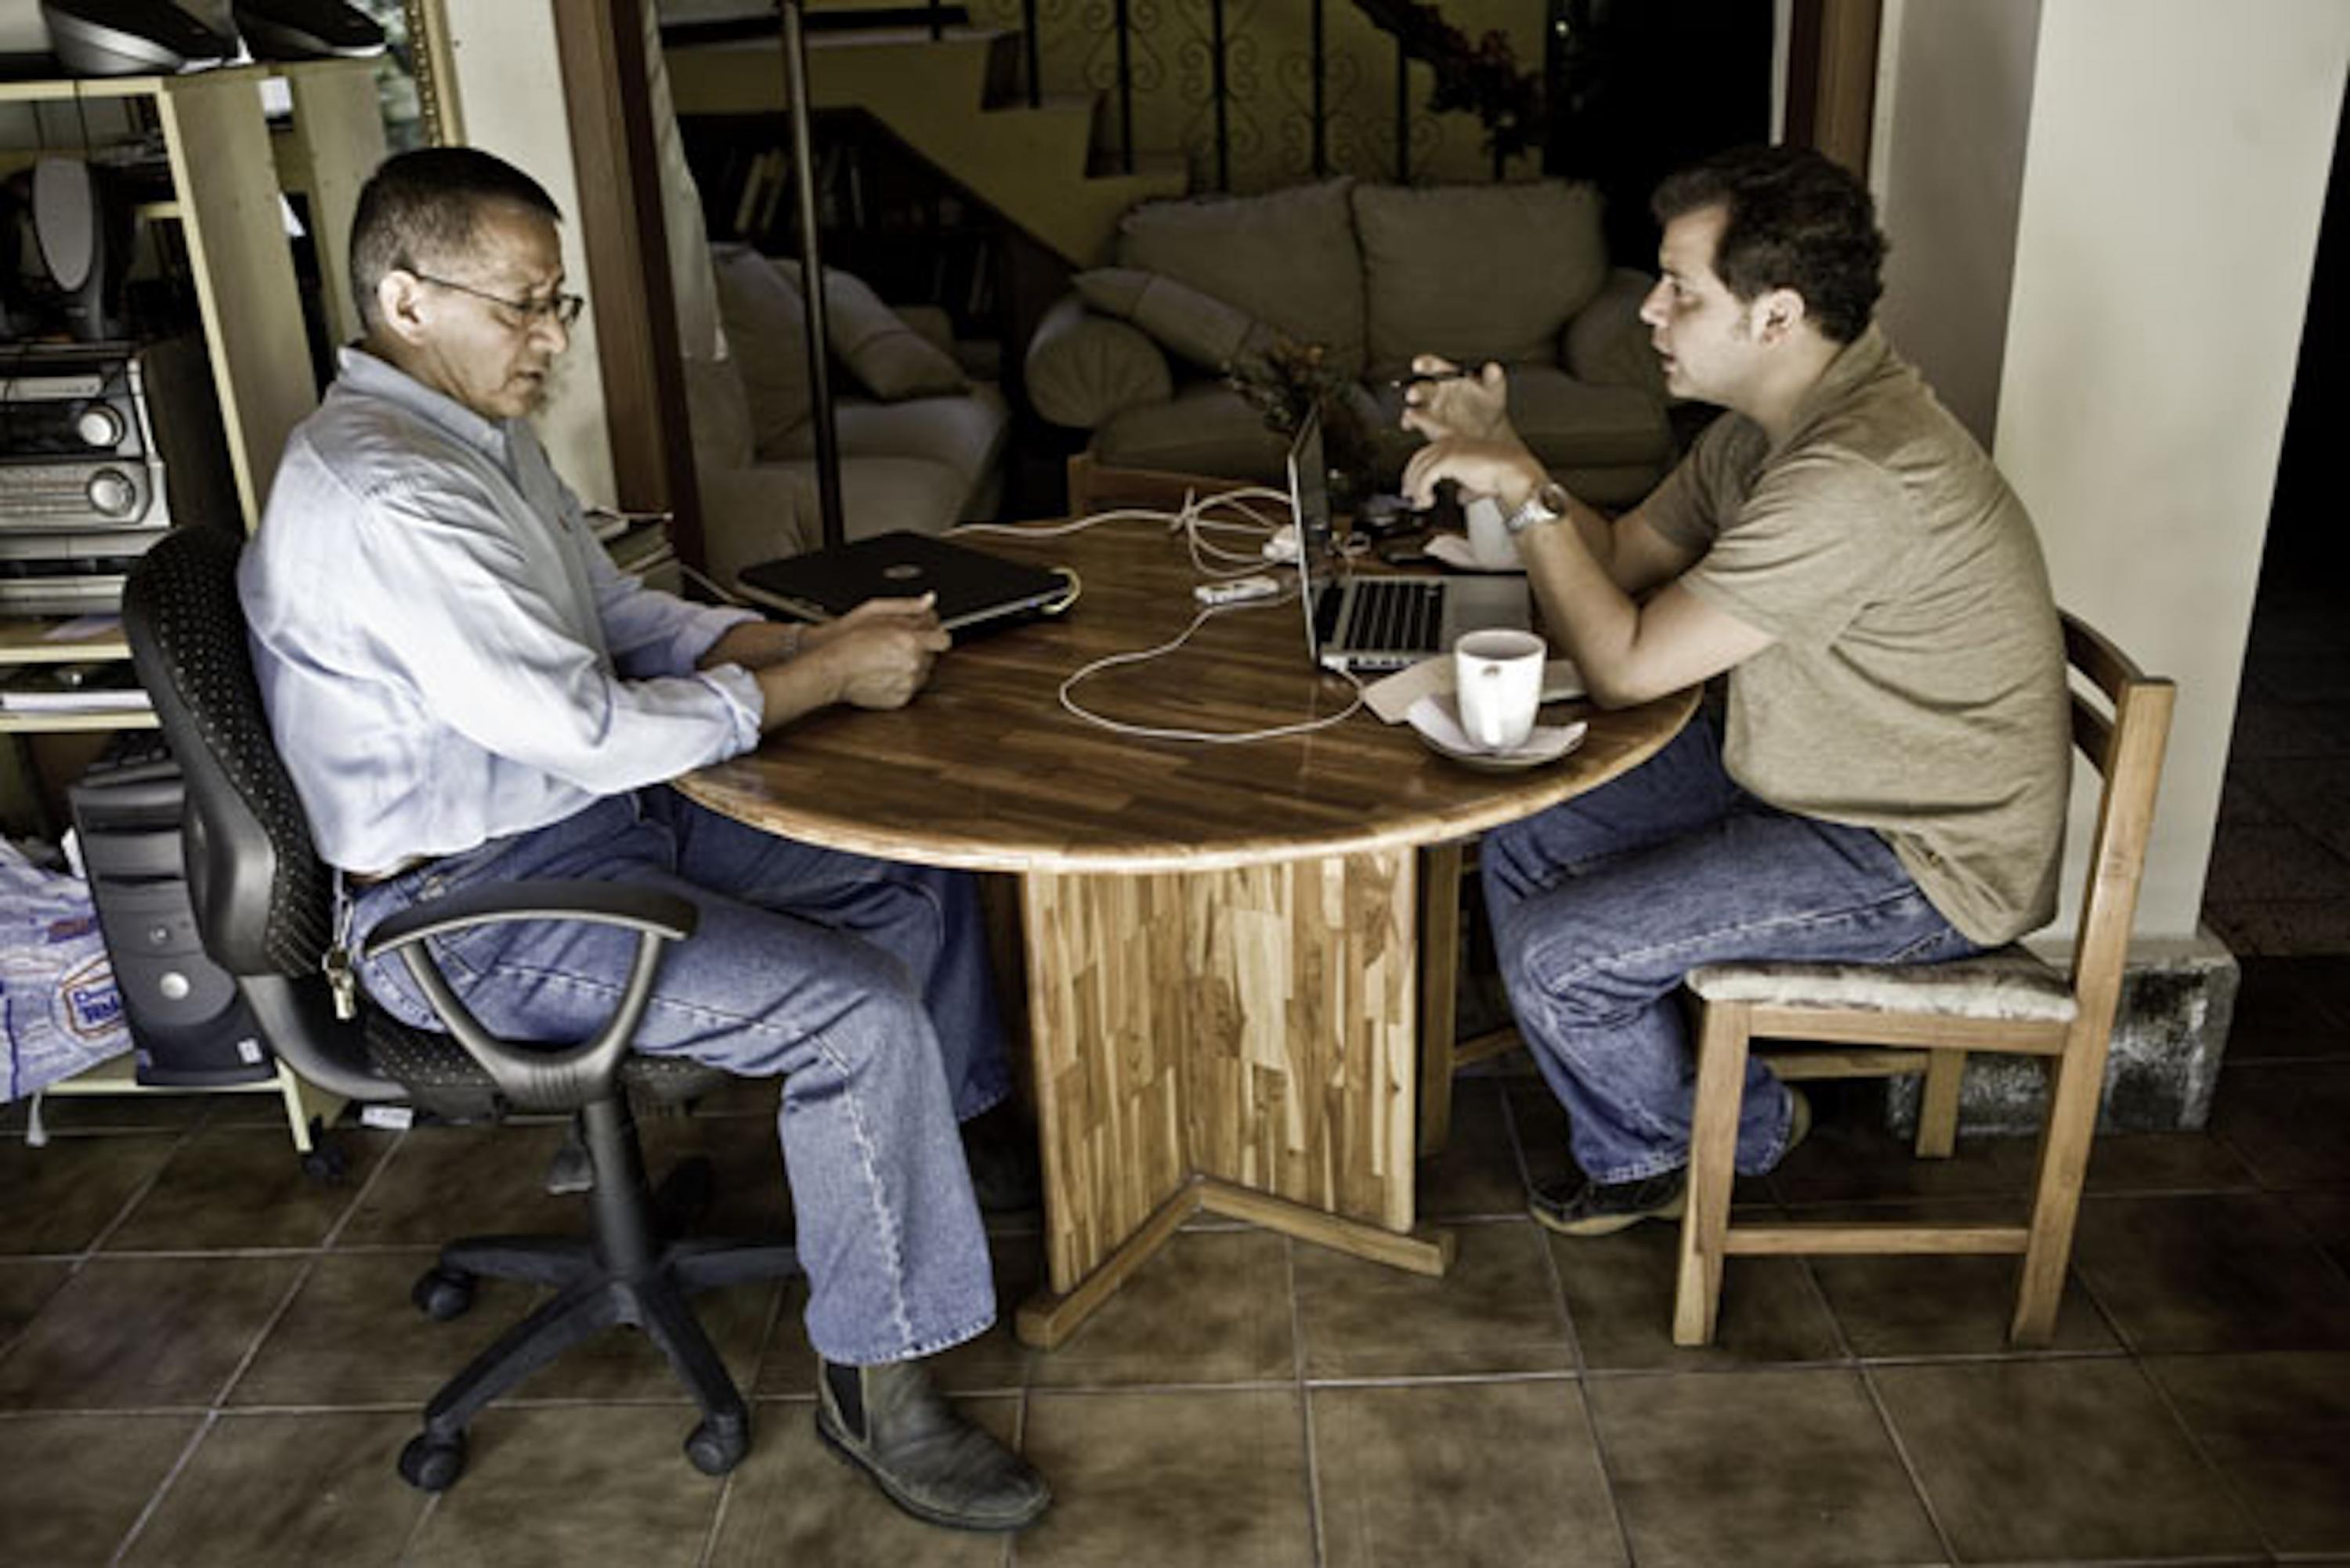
[{"x": 1436, "y": 720}]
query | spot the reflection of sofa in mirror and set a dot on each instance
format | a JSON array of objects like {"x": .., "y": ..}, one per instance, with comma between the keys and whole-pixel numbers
[
  {"x": 919, "y": 437},
  {"x": 1137, "y": 355}
]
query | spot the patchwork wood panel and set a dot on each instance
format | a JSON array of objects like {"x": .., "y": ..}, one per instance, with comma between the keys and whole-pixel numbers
[{"x": 1252, "y": 1024}]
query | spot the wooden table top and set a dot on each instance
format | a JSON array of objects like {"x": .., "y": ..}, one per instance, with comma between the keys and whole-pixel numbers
[{"x": 985, "y": 770}]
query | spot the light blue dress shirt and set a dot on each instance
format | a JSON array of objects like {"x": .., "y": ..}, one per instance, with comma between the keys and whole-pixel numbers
[{"x": 447, "y": 654}]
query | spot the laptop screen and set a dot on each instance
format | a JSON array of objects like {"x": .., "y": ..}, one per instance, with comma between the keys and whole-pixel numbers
[{"x": 1309, "y": 512}]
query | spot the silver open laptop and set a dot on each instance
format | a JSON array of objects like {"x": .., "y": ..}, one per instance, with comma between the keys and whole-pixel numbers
[{"x": 1371, "y": 625}]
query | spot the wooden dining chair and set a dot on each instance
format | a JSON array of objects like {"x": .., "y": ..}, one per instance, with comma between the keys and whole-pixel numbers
[{"x": 1867, "y": 1021}]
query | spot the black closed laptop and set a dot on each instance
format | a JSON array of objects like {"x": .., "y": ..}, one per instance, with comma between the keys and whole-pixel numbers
[{"x": 974, "y": 587}]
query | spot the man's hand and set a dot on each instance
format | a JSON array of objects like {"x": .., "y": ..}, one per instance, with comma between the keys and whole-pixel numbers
[
  {"x": 1474, "y": 406},
  {"x": 1500, "y": 467},
  {"x": 876, "y": 656},
  {"x": 879, "y": 654}
]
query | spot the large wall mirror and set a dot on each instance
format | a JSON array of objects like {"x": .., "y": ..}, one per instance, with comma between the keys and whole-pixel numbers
[{"x": 413, "y": 77}]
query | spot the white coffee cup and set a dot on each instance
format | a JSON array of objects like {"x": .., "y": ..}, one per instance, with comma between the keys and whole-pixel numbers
[
  {"x": 1498, "y": 677},
  {"x": 1489, "y": 537}
]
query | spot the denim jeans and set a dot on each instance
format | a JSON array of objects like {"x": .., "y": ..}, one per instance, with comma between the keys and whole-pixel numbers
[
  {"x": 862, "y": 983},
  {"x": 1601, "y": 904}
]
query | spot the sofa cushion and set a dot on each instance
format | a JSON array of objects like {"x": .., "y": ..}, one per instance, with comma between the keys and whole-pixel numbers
[
  {"x": 1081, "y": 368},
  {"x": 1288, "y": 258},
  {"x": 888, "y": 358},
  {"x": 1571, "y": 423},
  {"x": 1205, "y": 427},
  {"x": 1200, "y": 327},
  {"x": 767, "y": 339},
  {"x": 1476, "y": 272},
  {"x": 963, "y": 435}
]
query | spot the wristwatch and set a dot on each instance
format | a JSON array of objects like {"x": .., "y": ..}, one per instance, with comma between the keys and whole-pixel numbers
[{"x": 1546, "y": 504}]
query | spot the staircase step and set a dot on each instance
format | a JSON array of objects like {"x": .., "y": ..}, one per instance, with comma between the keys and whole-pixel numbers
[{"x": 1027, "y": 164}]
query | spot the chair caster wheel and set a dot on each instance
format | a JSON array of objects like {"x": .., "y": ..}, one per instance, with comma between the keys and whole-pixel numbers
[
  {"x": 442, "y": 1294},
  {"x": 717, "y": 1446},
  {"x": 326, "y": 1164},
  {"x": 432, "y": 1464}
]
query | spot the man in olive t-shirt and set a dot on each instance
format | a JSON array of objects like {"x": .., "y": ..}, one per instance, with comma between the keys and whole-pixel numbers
[{"x": 1890, "y": 782}]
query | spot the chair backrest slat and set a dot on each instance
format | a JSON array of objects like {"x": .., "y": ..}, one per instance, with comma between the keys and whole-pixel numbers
[{"x": 2127, "y": 750}]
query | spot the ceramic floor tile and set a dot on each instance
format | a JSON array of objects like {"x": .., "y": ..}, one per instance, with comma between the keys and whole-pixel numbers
[
  {"x": 2034, "y": 1461},
  {"x": 2257, "y": 863},
  {"x": 2326, "y": 1217},
  {"x": 2310, "y": 793},
  {"x": 2227, "y": 1272},
  {"x": 140, "y": 1334},
  {"x": 1212, "y": 1307},
  {"x": 2289, "y": 1008},
  {"x": 2303, "y": 928},
  {"x": 61, "y": 1198},
  {"x": 25, "y": 1287},
  {"x": 1914, "y": 1306},
  {"x": 352, "y": 1336},
  {"x": 362, "y": 1299},
  {"x": 1477, "y": 1176},
  {"x": 1448, "y": 1473},
  {"x": 794, "y": 1501},
  {"x": 2148, "y": 1163},
  {"x": 1496, "y": 1312},
  {"x": 141, "y": 1112},
  {"x": 245, "y": 1186},
  {"x": 2278, "y": 1429},
  {"x": 444, "y": 1182},
  {"x": 1196, "y": 1479},
  {"x": 72, "y": 1486},
  {"x": 564, "y": 1486},
  {"x": 1856, "y": 1159},
  {"x": 1737, "y": 1468},
  {"x": 2285, "y": 1120},
  {"x": 321, "y": 1487},
  {"x": 1619, "y": 1294}
]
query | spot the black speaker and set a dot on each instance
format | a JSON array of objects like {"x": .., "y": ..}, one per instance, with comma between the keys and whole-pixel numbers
[
  {"x": 83, "y": 237},
  {"x": 306, "y": 30},
  {"x": 131, "y": 37},
  {"x": 188, "y": 1024}
]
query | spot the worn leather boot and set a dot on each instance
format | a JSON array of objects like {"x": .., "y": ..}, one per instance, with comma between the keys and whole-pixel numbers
[{"x": 925, "y": 1456}]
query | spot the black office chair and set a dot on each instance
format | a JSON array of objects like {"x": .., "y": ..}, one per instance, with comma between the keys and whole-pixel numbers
[{"x": 263, "y": 905}]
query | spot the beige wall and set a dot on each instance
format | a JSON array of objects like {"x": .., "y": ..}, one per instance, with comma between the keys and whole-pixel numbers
[
  {"x": 1953, "y": 105},
  {"x": 2173, "y": 181},
  {"x": 509, "y": 93}
]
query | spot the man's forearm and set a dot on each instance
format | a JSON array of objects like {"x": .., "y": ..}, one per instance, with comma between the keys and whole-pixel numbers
[
  {"x": 794, "y": 687},
  {"x": 1581, "y": 603}
]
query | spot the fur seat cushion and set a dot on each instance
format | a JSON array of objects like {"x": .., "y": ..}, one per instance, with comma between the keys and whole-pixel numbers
[{"x": 2008, "y": 983}]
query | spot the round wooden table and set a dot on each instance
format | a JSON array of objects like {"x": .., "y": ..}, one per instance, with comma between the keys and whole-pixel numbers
[{"x": 1223, "y": 943}]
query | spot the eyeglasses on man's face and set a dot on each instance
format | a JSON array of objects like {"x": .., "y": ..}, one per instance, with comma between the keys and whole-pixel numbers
[{"x": 563, "y": 310}]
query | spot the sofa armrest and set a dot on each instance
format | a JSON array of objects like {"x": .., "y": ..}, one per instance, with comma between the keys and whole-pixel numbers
[
  {"x": 1606, "y": 343},
  {"x": 1084, "y": 368}
]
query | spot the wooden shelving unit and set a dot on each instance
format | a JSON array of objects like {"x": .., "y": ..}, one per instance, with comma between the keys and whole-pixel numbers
[{"x": 230, "y": 170}]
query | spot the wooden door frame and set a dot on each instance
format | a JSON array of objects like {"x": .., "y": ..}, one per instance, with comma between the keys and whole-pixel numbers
[
  {"x": 1832, "y": 77},
  {"x": 602, "y": 48}
]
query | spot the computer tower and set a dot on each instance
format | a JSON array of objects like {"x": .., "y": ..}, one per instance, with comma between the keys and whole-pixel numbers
[{"x": 189, "y": 1026}]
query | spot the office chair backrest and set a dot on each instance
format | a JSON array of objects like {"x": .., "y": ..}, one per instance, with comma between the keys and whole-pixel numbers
[{"x": 262, "y": 899}]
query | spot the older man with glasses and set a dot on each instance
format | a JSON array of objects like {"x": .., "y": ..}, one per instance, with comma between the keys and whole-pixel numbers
[{"x": 465, "y": 690}]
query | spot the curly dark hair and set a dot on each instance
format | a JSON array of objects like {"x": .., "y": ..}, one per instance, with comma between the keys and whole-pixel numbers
[
  {"x": 418, "y": 210},
  {"x": 1796, "y": 220}
]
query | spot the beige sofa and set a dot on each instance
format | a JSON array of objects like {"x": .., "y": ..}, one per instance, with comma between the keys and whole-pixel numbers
[
  {"x": 1137, "y": 356},
  {"x": 921, "y": 436}
]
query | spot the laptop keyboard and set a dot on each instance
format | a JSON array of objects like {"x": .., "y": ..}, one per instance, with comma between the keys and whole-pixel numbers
[{"x": 1404, "y": 617}]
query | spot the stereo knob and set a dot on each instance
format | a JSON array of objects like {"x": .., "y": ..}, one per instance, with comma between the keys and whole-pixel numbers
[
  {"x": 111, "y": 492},
  {"x": 100, "y": 426}
]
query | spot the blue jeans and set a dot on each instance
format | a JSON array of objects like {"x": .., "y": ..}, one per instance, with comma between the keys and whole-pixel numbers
[
  {"x": 1601, "y": 904},
  {"x": 862, "y": 983}
]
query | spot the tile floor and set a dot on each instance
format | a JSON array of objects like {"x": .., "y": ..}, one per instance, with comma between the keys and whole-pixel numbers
[{"x": 208, "y": 1358}]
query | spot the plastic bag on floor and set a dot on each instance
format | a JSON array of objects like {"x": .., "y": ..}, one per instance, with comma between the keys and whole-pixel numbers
[{"x": 60, "y": 1010}]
